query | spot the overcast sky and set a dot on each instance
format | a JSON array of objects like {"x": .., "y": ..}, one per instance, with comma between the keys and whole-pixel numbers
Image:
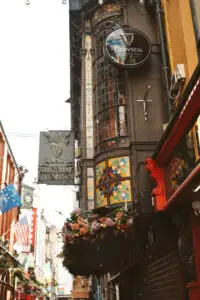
[{"x": 34, "y": 84}]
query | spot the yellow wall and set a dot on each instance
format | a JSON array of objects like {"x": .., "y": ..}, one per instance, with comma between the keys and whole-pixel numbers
[
  {"x": 182, "y": 48},
  {"x": 180, "y": 35}
]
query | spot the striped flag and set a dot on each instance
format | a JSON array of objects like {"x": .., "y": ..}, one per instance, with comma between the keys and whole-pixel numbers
[{"x": 22, "y": 231}]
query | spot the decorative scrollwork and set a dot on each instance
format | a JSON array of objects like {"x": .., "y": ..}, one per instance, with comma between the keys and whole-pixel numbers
[{"x": 158, "y": 193}]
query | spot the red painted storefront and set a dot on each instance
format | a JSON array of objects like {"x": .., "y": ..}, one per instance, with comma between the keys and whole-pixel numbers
[
  {"x": 27, "y": 297},
  {"x": 182, "y": 121}
]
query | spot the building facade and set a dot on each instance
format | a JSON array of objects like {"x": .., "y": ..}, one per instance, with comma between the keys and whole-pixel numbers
[
  {"x": 176, "y": 157},
  {"x": 9, "y": 173},
  {"x": 135, "y": 113}
]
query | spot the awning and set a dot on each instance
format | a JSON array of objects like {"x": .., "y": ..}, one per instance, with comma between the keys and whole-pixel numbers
[
  {"x": 188, "y": 191},
  {"x": 182, "y": 121}
]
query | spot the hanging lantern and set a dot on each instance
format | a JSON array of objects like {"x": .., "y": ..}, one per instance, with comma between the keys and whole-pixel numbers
[
  {"x": 64, "y": 1},
  {"x": 27, "y": 2}
]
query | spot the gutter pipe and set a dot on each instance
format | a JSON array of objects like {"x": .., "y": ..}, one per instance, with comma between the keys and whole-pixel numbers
[{"x": 156, "y": 7}]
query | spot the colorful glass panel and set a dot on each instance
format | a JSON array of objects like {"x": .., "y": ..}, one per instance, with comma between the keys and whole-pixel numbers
[
  {"x": 101, "y": 198},
  {"x": 109, "y": 188},
  {"x": 100, "y": 173},
  {"x": 90, "y": 188},
  {"x": 120, "y": 192},
  {"x": 118, "y": 167}
]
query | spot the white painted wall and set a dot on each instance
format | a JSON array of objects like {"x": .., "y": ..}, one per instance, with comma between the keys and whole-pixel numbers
[{"x": 40, "y": 247}]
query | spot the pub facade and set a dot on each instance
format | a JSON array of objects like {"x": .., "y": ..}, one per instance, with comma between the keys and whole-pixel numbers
[{"x": 134, "y": 108}]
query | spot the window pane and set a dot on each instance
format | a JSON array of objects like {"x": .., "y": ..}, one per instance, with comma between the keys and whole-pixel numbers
[
  {"x": 101, "y": 199},
  {"x": 120, "y": 192},
  {"x": 122, "y": 120},
  {"x": 118, "y": 167},
  {"x": 109, "y": 187},
  {"x": 109, "y": 93},
  {"x": 100, "y": 173}
]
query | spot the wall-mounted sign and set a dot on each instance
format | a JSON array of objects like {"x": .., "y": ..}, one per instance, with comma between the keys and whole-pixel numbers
[
  {"x": 27, "y": 196},
  {"x": 127, "y": 47},
  {"x": 56, "y": 158}
]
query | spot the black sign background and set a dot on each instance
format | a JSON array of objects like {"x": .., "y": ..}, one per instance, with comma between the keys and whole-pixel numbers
[{"x": 127, "y": 47}]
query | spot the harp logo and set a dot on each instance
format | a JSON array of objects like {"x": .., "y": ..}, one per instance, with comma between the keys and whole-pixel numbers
[{"x": 127, "y": 47}]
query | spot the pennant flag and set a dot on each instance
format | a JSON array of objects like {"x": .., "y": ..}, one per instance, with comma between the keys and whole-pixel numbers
[
  {"x": 22, "y": 231},
  {"x": 9, "y": 198}
]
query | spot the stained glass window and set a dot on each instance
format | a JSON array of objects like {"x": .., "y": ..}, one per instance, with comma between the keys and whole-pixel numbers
[
  {"x": 113, "y": 184},
  {"x": 121, "y": 192},
  {"x": 106, "y": 11},
  {"x": 90, "y": 188},
  {"x": 110, "y": 112},
  {"x": 118, "y": 167}
]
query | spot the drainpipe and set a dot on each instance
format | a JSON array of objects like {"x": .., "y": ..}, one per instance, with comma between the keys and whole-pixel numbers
[
  {"x": 165, "y": 69},
  {"x": 155, "y": 5}
]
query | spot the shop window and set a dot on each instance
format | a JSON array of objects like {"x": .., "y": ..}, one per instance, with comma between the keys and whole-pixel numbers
[
  {"x": 180, "y": 165},
  {"x": 113, "y": 184}
]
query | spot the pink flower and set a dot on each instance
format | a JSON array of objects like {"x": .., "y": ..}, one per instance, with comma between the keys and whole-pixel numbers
[
  {"x": 119, "y": 215},
  {"x": 76, "y": 212},
  {"x": 81, "y": 221},
  {"x": 109, "y": 222},
  {"x": 95, "y": 226},
  {"x": 130, "y": 221},
  {"x": 103, "y": 220}
]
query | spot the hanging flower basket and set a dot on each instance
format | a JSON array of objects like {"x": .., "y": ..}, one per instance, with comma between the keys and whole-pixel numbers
[
  {"x": 96, "y": 244},
  {"x": 90, "y": 226}
]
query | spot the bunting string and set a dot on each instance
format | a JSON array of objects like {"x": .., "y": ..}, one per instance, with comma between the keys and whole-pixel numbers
[{"x": 27, "y": 2}]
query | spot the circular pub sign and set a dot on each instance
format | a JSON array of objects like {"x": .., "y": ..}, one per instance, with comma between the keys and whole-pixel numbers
[{"x": 127, "y": 47}]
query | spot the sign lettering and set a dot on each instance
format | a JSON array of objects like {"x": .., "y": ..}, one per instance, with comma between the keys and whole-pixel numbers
[
  {"x": 56, "y": 158},
  {"x": 127, "y": 47}
]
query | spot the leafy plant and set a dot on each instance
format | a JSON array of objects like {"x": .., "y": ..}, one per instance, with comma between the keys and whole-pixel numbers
[{"x": 89, "y": 226}]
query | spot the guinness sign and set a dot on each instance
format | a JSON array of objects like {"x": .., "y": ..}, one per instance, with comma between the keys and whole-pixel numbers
[{"x": 127, "y": 47}]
